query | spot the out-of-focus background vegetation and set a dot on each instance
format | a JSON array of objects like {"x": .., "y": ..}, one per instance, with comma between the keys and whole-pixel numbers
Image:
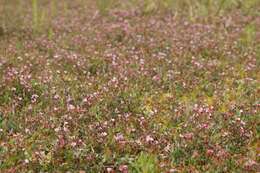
[{"x": 39, "y": 13}]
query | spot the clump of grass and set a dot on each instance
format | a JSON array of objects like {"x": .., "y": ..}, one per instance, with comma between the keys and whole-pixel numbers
[
  {"x": 42, "y": 17},
  {"x": 249, "y": 34},
  {"x": 104, "y": 6},
  {"x": 145, "y": 163}
]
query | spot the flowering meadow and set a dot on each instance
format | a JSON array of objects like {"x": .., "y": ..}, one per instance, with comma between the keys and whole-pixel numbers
[{"x": 130, "y": 86}]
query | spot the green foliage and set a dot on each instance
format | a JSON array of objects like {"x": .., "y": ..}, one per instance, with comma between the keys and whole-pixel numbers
[
  {"x": 42, "y": 17},
  {"x": 104, "y": 6},
  {"x": 177, "y": 155},
  {"x": 249, "y": 34},
  {"x": 145, "y": 163},
  {"x": 97, "y": 66},
  {"x": 142, "y": 86}
]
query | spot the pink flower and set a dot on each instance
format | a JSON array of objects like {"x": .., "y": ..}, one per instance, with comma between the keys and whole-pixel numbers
[
  {"x": 61, "y": 142},
  {"x": 119, "y": 137},
  {"x": 222, "y": 154},
  {"x": 149, "y": 139},
  {"x": 71, "y": 107},
  {"x": 156, "y": 78},
  {"x": 205, "y": 126},
  {"x": 210, "y": 152},
  {"x": 187, "y": 136},
  {"x": 110, "y": 170},
  {"x": 123, "y": 168},
  {"x": 56, "y": 97},
  {"x": 251, "y": 165},
  {"x": 73, "y": 144},
  {"x": 172, "y": 170},
  {"x": 34, "y": 98}
]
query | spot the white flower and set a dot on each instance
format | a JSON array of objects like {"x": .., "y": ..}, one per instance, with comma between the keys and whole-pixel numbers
[
  {"x": 71, "y": 107},
  {"x": 148, "y": 139}
]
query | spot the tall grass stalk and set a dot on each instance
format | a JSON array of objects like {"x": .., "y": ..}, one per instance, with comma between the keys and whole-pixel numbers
[
  {"x": 3, "y": 16},
  {"x": 35, "y": 14},
  {"x": 222, "y": 3}
]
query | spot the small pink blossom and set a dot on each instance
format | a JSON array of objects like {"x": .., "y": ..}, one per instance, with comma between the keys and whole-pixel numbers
[
  {"x": 56, "y": 97},
  {"x": 119, "y": 137},
  {"x": 251, "y": 165},
  {"x": 172, "y": 170},
  {"x": 187, "y": 136},
  {"x": 73, "y": 144},
  {"x": 71, "y": 107},
  {"x": 205, "y": 126},
  {"x": 123, "y": 168},
  {"x": 149, "y": 139},
  {"x": 110, "y": 170},
  {"x": 210, "y": 152},
  {"x": 156, "y": 78},
  {"x": 34, "y": 98}
]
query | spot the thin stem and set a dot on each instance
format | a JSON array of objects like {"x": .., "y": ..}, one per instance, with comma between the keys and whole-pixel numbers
[{"x": 220, "y": 7}]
